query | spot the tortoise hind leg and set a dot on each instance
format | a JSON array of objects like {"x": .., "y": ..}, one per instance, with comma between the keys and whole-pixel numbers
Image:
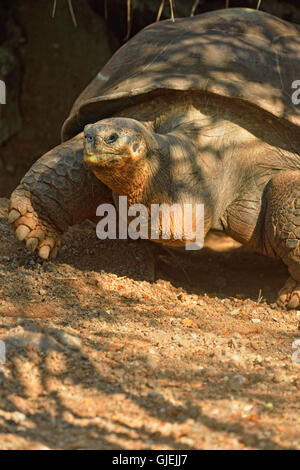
[
  {"x": 282, "y": 230},
  {"x": 58, "y": 191}
]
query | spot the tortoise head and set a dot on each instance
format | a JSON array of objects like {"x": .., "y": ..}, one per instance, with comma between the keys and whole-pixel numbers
[
  {"x": 115, "y": 143},
  {"x": 118, "y": 151}
]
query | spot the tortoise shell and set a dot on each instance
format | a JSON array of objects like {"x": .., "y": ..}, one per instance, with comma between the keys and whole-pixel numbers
[{"x": 237, "y": 53}]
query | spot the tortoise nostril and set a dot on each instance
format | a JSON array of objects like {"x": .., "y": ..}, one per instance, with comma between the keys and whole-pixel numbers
[{"x": 111, "y": 139}]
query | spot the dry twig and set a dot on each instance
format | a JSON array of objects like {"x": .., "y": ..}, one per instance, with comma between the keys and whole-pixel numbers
[
  {"x": 194, "y": 7},
  {"x": 54, "y": 8},
  {"x": 70, "y": 8},
  {"x": 172, "y": 10},
  {"x": 160, "y": 10},
  {"x": 72, "y": 12},
  {"x": 128, "y": 20}
]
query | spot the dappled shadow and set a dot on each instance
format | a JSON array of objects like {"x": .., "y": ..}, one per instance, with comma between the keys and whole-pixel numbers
[
  {"x": 83, "y": 370},
  {"x": 238, "y": 65},
  {"x": 239, "y": 53},
  {"x": 236, "y": 272},
  {"x": 222, "y": 272},
  {"x": 71, "y": 423},
  {"x": 98, "y": 387}
]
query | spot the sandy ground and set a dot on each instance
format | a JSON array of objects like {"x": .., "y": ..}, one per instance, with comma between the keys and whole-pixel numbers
[{"x": 118, "y": 345}]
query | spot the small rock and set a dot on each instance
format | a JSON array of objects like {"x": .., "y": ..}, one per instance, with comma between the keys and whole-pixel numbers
[
  {"x": 232, "y": 343},
  {"x": 236, "y": 382},
  {"x": 73, "y": 342},
  {"x": 78, "y": 445},
  {"x": 247, "y": 408},
  {"x": 235, "y": 311},
  {"x": 236, "y": 357},
  {"x": 154, "y": 395},
  {"x": 18, "y": 417}
]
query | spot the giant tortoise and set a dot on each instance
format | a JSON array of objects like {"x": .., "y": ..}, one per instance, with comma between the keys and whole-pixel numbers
[{"x": 203, "y": 109}]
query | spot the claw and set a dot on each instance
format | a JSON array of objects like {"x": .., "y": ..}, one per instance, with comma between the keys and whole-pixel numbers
[
  {"x": 44, "y": 252},
  {"x": 22, "y": 231},
  {"x": 38, "y": 235},
  {"x": 13, "y": 216},
  {"x": 32, "y": 244},
  {"x": 54, "y": 252},
  {"x": 289, "y": 295},
  {"x": 293, "y": 302}
]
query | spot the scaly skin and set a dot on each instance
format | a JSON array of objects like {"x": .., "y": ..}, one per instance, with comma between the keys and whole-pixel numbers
[
  {"x": 211, "y": 151},
  {"x": 282, "y": 227},
  {"x": 265, "y": 215},
  {"x": 58, "y": 191}
]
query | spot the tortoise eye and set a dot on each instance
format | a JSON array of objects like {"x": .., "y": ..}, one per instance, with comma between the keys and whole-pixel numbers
[
  {"x": 111, "y": 139},
  {"x": 89, "y": 139}
]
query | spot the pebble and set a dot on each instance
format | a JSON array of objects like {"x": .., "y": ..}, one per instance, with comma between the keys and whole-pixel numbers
[
  {"x": 232, "y": 343},
  {"x": 235, "y": 311},
  {"x": 73, "y": 342},
  {"x": 255, "y": 320},
  {"x": 153, "y": 394},
  {"x": 236, "y": 382},
  {"x": 296, "y": 344},
  {"x": 247, "y": 408},
  {"x": 18, "y": 417},
  {"x": 236, "y": 357}
]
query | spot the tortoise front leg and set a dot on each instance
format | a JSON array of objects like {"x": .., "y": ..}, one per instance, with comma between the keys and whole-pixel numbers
[
  {"x": 282, "y": 230},
  {"x": 58, "y": 191}
]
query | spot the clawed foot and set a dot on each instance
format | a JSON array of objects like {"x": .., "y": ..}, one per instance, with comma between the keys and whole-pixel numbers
[
  {"x": 38, "y": 235},
  {"x": 289, "y": 295}
]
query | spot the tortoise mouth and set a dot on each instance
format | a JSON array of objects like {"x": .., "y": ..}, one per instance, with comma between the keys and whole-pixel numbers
[{"x": 101, "y": 159}]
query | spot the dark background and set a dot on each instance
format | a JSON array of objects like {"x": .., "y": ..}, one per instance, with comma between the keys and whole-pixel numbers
[{"x": 47, "y": 62}]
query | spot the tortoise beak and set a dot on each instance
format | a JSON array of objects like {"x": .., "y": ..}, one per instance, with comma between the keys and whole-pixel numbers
[
  {"x": 95, "y": 150},
  {"x": 90, "y": 147},
  {"x": 89, "y": 153}
]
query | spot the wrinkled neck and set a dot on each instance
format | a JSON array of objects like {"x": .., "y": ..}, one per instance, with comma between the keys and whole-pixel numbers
[
  {"x": 135, "y": 177},
  {"x": 128, "y": 182}
]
